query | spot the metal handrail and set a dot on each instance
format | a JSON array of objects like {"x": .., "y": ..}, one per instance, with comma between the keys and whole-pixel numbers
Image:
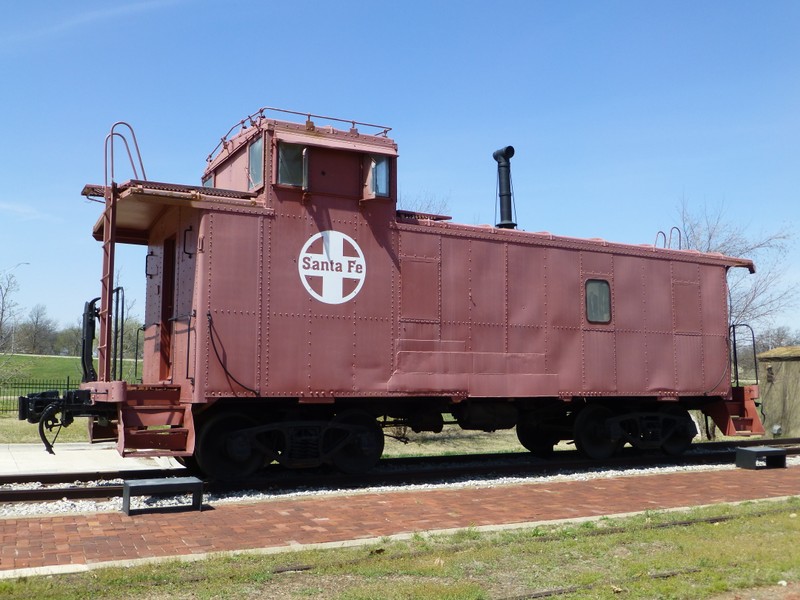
[
  {"x": 680, "y": 238},
  {"x": 734, "y": 351},
  {"x": 668, "y": 241},
  {"x": 109, "y": 145},
  {"x": 252, "y": 119},
  {"x": 119, "y": 333}
]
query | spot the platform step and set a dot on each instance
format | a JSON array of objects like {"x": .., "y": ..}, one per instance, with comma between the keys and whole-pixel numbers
[
  {"x": 174, "y": 438},
  {"x": 172, "y": 485},
  {"x": 149, "y": 394},
  {"x": 761, "y": 457},
  {"x": 154, "y": 420},
  {"x": 139, "y": 453},
  {"x": 742, "y": 424},
  {"x": 738, "y": 416},
  {"x": 153, "y": 416}
]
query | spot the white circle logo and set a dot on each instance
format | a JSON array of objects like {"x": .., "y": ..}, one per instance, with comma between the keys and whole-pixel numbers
[{"x": 332, "y": 267}]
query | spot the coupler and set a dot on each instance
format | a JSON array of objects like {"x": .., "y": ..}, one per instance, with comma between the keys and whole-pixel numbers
[{"x": 52, "y": 411}]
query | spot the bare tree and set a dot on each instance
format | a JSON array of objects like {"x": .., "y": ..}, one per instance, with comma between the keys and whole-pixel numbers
[
  {"x": 8, "y": 312},
  {"x": 132, "y": 342},
  {"x": 37, "y": 334},
  {"x": 777, "y": 337},
  {"x": 134, "y": 339},
  {"x": 423, "y": 203},
  {"x": 755, "y": 299},
  {"x": 8, "y": 319}
]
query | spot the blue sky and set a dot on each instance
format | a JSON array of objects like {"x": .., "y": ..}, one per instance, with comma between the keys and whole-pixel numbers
[{"x": 618, "y": 110}]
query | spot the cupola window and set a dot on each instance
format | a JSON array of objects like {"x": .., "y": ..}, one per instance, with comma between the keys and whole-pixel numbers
[
  {"x": 255, "y": 164},
  {"x": 380, "y": 176},
  {"x": 292, "y": 166}
]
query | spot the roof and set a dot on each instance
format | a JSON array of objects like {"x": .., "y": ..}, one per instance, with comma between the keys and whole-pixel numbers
[
  {"x": 785, "y": 353},
  {"x": 141, "y": 203}
]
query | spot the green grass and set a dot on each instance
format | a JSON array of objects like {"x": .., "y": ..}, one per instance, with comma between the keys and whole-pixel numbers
[
  {"x": 452, "y": 441},
  {"x": 39, "y": 368},
  {"x": 29, "y": 366},
  {"x": 632, "y": 558},
  {"x": 24, "y": 366},
  {"x": 14, "y": 431}
]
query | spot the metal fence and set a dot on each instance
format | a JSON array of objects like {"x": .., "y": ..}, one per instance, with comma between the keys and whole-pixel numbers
[{"x": 13, "y": 389}]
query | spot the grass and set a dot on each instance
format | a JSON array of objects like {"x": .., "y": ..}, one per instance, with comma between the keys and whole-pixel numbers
[
  {"x": 14, "y": 431},
  {"x": 29, "y": 366},
  {"x": 452, "y": 441},
  {"x": 40, "y": 368},
  {"x": 631, "y": 558}
]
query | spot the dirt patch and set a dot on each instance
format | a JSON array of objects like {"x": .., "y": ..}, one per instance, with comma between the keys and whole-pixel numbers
[{"x": 790, "y": 591}]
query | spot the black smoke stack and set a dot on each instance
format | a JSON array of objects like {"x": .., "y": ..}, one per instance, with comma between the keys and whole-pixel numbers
[{"x": 503, "y": 158}]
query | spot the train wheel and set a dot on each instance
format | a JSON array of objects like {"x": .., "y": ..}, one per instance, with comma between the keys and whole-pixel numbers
[
  {"x": 535, "y": 438},
  {"x": 225, "y": 454},
  {"x": 592, "y": 436},
  {"x": 683, "y": 433},
  {"x": 354, "y": 442}
]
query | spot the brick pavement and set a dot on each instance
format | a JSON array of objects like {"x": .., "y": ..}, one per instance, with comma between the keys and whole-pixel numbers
[{"x": 72, "y": 542}]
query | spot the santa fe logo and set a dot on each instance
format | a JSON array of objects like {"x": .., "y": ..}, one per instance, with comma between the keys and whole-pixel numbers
[{"x": 332, "y": 267}]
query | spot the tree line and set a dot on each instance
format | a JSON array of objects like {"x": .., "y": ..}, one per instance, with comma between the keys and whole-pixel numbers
[{"x": 37, "y": 333}]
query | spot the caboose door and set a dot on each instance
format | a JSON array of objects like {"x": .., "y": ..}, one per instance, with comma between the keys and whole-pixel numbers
[
  {"x": 182, "y": 323},
  {"x": 169, "y": 311},
  {"x": 165, "y": 322}
]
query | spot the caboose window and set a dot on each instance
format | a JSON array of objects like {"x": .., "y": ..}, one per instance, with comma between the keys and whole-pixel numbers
[
  {"x": 255, "y": 164},
  {"x": 380, "y": 175},
  {"x": 598, "y": 301},
  {"x": 291, "y": 164},
  {"x": 208, "y": 180}
]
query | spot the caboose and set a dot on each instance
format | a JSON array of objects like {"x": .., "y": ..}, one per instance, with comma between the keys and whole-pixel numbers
[{"x": 293, "y": 312}]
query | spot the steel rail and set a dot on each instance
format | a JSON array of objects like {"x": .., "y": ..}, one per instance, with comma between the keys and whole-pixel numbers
[{"x": 395, "y": 472}]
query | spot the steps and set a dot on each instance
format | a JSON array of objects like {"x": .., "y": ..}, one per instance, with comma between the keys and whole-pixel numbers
[
  {"x": 739, "y": 415},
  {"x": 153, "y": 422}
]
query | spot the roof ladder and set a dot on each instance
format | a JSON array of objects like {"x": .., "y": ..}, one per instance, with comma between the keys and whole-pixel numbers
[
  {"x": 668, "y": 242},
  {"x": 111, "y": 195}
]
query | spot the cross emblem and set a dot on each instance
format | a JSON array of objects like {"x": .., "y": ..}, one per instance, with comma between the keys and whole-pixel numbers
[{"x": 332, "y": 267}]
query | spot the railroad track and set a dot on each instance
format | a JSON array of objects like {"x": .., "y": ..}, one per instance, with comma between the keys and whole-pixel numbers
[{"x": 391, "y": 471}]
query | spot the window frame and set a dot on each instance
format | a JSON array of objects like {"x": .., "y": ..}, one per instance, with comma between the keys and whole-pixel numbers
[
  {"x": 375, "y": 160},
  {"x": 591, "y": 312},
  {"x": 302, "y": 181},
  {"x": 369, "y": 174},
  {"x": 252, "y": 183}
]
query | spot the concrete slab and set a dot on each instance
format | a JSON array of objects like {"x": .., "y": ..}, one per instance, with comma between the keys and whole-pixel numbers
[{"x": 28, "y": 459}]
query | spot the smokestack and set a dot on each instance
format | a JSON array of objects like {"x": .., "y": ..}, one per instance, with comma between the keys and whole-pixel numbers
[{"x": 503, "y": 158}]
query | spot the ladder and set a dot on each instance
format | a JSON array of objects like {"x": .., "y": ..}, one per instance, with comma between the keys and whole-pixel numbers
[{"x": 105, "y": 348}]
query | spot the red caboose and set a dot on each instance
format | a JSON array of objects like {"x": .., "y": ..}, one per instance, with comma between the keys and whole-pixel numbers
[{"x": 292, "y": 311}]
